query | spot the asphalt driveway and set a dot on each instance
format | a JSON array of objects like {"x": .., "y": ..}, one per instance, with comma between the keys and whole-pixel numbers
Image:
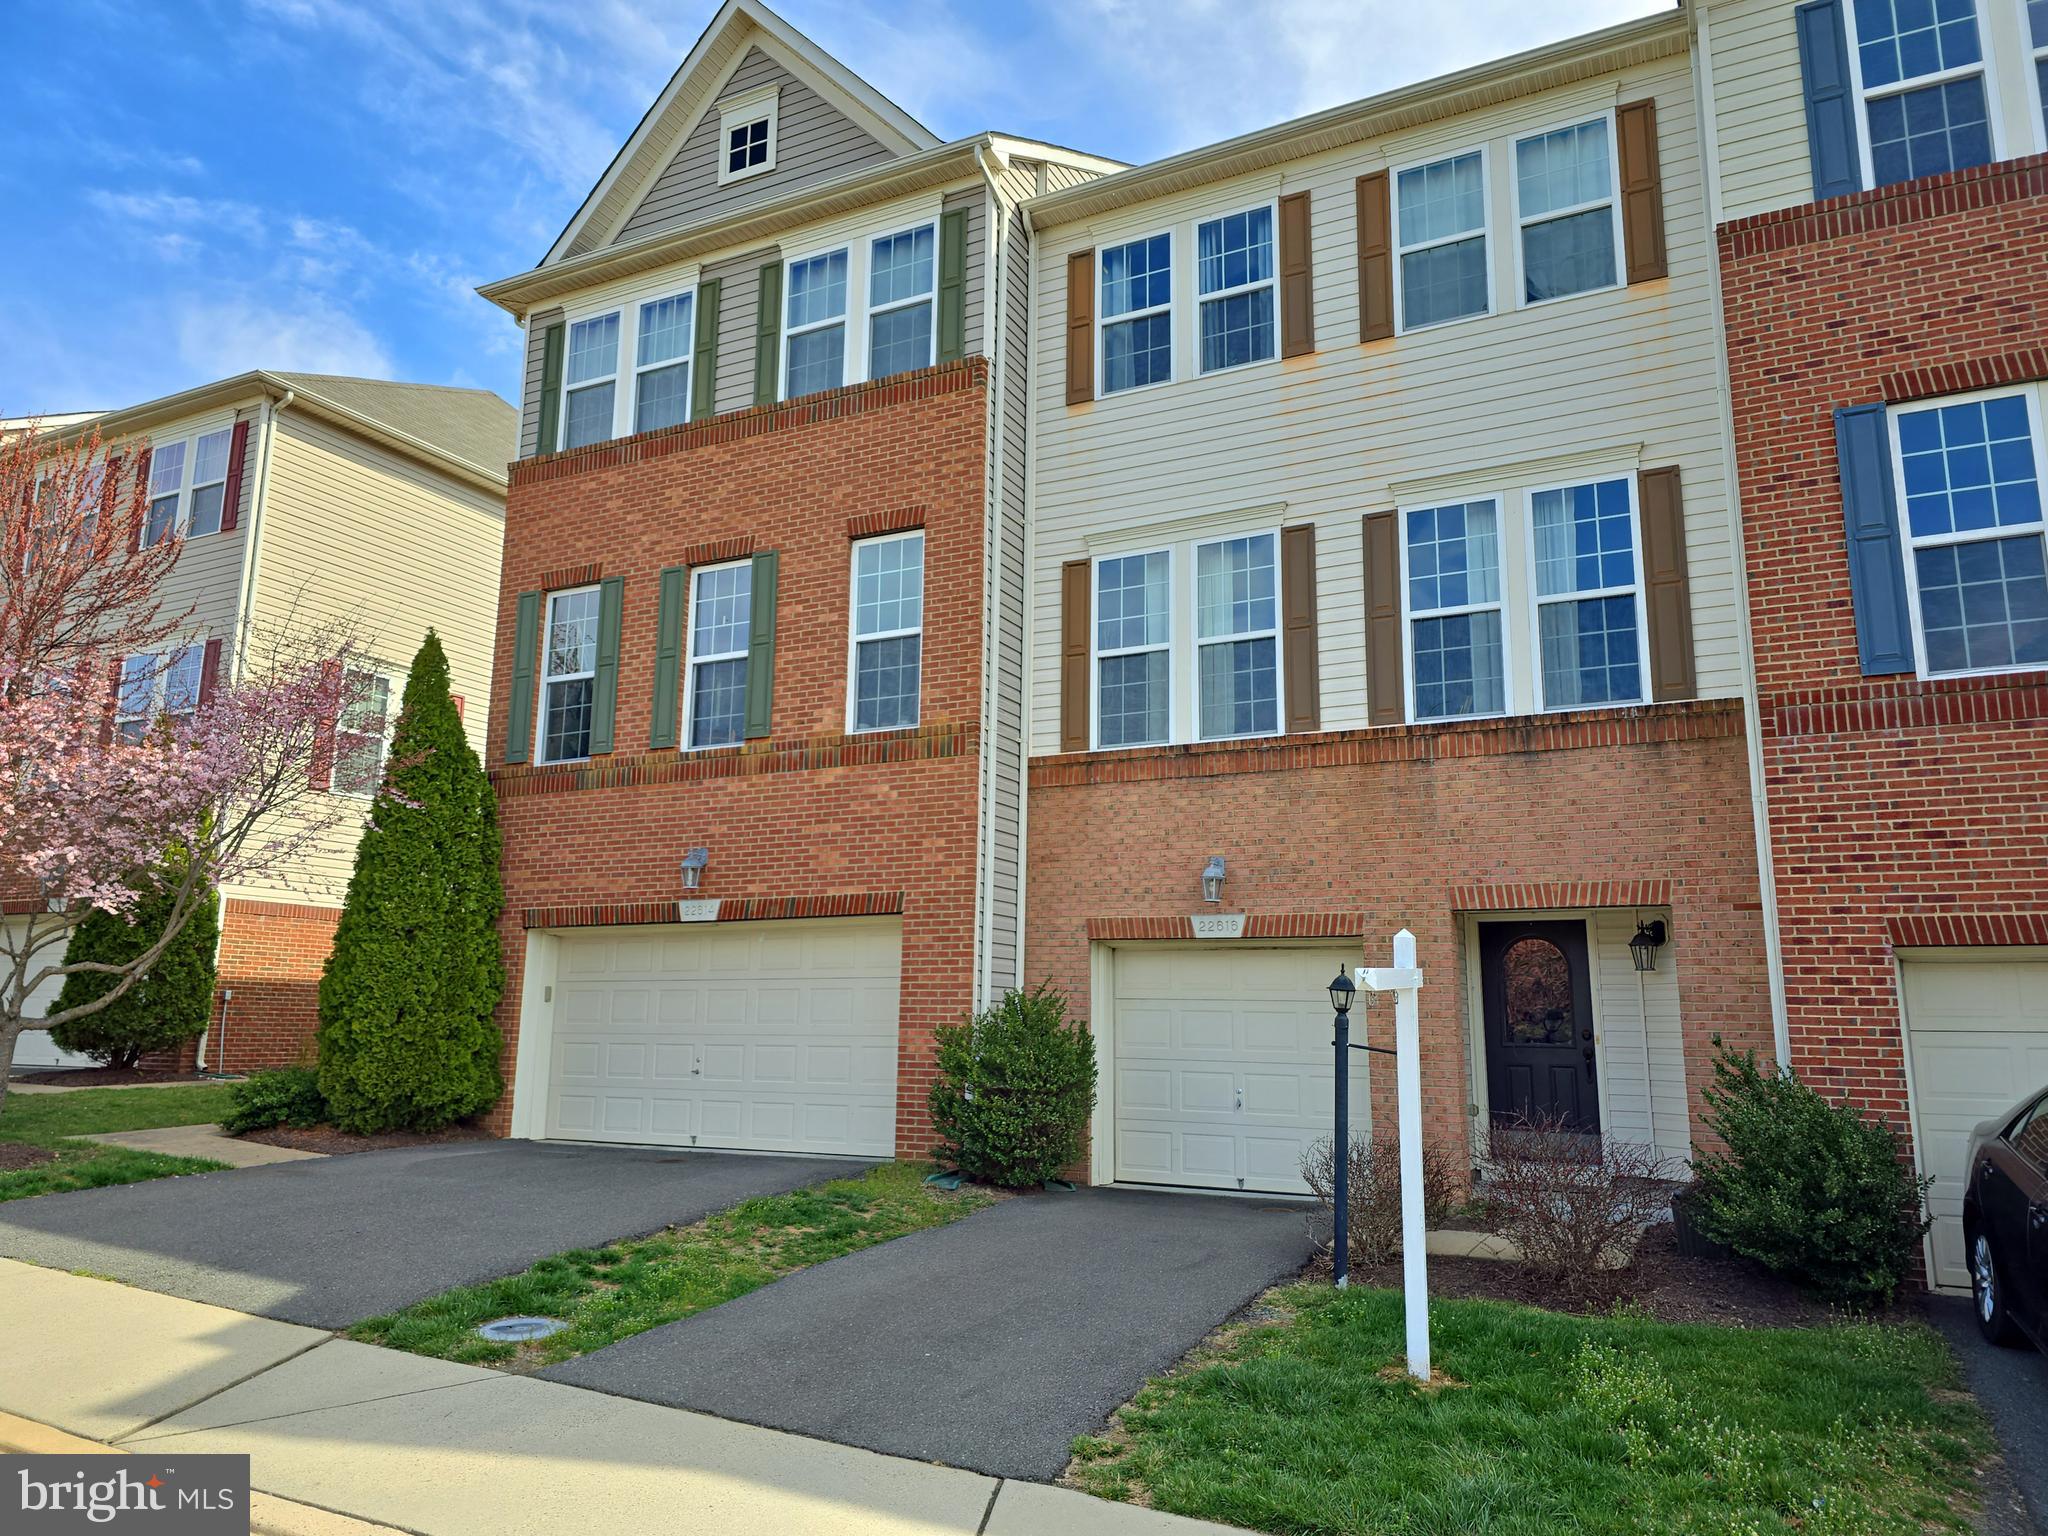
[
  {"x": 331, "y": 1241},
  {"x": 2012, "y": 1384},
  {"x": 987, "y": 1344}
]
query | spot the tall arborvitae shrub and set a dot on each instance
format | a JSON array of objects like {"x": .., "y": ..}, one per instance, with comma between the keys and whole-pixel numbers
[{"x": 408, "y": 1037}]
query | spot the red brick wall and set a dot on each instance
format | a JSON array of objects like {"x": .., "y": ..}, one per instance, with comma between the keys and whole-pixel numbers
[
  {"x": 811, "y": 812},
  {"x": 271, "y": 956},
  {"x": 1891, "y": 800},
  {"x": 1404, "y": 827}
]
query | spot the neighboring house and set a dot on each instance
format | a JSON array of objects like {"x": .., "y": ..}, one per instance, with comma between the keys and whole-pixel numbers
[
  {"x": 304, "y": 499},
  {"x": 1882, "y": 196},
  {"x": 763, "y": 598}
]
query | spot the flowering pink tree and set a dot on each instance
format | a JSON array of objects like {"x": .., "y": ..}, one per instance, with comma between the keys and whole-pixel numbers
[{"x": 123, "y": 733}]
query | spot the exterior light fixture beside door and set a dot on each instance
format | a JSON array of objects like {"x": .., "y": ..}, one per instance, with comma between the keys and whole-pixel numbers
[{"x": 1649, "y": 938}]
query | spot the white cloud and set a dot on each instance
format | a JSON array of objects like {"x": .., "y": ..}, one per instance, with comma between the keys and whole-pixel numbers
[
  {"x": 151, "y": 214},
  {"x": 218, "y": 338}
]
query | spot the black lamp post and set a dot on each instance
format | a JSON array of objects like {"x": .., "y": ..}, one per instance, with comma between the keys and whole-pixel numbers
[{"x": 1342, "y": 990}]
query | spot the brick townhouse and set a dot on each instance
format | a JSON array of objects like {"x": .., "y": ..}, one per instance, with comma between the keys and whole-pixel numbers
[{"x": 1882, "y": 200}]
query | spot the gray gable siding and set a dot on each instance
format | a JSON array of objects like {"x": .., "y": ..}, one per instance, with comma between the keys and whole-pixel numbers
[
  {"x": 813, "y": 141},
  {"x": 529, "y": 393}
]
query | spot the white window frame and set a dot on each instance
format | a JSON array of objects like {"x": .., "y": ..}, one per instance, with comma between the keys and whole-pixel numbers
[
  {"x": 1484, "y": 232},
  {"x": 1611, "y": 202},
  {"x": 547, "y": 625},
  {"x": 1409, "y": 615},
  {"x": 855, "y": 639},
  {"x": 1909, "y": 545},
  {"x": 1197, "y": 643},
  {"x": 162, "y": 664},
  {"x": 1103, "y": 319},
  {"x": 152, "y": 496},
  {"x": 628, "y": 366},
  {"x": 617, "y": 377},
  {"x": 869, "y": 310},
  {"x": 642, "y": 367},
  {"x": 1538, "y": 603},
  {"x": 693, "y": 658},
  {"x": 856, "y": 364},
  {"x": 383, "y": 734},
  {"x": 1096, "y": 655},
  {"x": 195, "y": 485},
  {"x": 2033, "y": 58},
  {"x": 1863, "y": 97},
  {"x": 1202, "y": 299},
  {"x": 762, "y": 104}
]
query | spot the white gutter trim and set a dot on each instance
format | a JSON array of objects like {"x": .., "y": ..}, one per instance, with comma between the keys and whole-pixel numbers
[{"x": 992, "y": 576}]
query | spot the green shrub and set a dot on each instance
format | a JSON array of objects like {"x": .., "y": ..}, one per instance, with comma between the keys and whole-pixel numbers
[
  {"x": 408, "y": 1035},
  {"x": 1015, "y": 1089},
  {"x": 1819, "y": 1192},
  {"x": 289, "y": 1096},
  {"x": 171, "y": 1002}
]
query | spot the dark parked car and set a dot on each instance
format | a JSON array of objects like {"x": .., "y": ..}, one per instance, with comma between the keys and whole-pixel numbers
[{"x": 2005, "y": 1223}]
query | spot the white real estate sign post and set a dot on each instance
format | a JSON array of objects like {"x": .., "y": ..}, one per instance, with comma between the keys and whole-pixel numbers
[{"x": 1403, "y": 979}]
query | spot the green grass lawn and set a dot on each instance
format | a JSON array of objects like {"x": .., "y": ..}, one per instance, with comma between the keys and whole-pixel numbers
[
  {"x": 50, "y": 1119},
  {"x": 607, "y": 1294},
  {"x": 1549, "y": 1424}
]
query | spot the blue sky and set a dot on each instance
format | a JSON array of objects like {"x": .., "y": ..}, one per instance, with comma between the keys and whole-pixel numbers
[{"x": 205, "y": 186}]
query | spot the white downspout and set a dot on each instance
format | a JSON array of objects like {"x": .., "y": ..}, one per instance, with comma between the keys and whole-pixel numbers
[
  {"x": 1028, "y": 682},
  {"x": 995, "y": 279}
]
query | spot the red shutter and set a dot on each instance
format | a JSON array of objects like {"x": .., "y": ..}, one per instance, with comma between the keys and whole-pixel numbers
[
  {"x": 141, "y": 501},
  {"x": 110, "y": 499},
  {"x": 231, "y": 500},
  {"x": 113, "y": 702},
  {"x": 321, "y": 775},
  {"x": 209, "y": 672},
  {"x": 458, "y": 704}
]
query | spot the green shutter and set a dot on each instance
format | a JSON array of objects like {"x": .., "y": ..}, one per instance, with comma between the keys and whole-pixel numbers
[
  {"x": 605, "y": 692},
  {"x": 953, "y": 286},
  {"x": 704, "y": 354},
  {"x": 550, "y": 435},
  {"x": 761, "y": 649},
  {"x": 525, "y": 649},
  {"x": 768, "y": 336},
  {"x": 668, "y": 658}
]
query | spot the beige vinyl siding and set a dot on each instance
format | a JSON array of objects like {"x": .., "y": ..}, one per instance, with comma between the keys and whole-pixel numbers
[
  {"x": 1642, "y": 1051},
  {"x": 352, "y": 530},
  {"x": 739, "y": 302},
  {"x": 1628, "y": 374},
  {"x": 529, "y": 391},
  {"x": 1759, "y": 107},
  {"x": 206, "y": 580},
  {"x": 813, "y": 141}
]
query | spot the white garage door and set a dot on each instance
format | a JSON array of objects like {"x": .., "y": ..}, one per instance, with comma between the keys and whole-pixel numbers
[
  {"x": 1223, "y": 1065},
  {"x": 776, "y": 1037},
  {"x": 1977, "y": 1030},
  {"x": 34, "y": 1047}
]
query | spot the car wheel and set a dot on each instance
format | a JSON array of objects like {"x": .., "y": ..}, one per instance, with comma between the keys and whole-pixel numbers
[{"x": 1987, "y": 1291}]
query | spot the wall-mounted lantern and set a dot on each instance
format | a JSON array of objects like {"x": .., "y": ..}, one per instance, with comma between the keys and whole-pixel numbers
[
  {"x": 1650, "y": 937},
  {"x": 1212, "y": 878},
  {"x": 693, "y": 867}
]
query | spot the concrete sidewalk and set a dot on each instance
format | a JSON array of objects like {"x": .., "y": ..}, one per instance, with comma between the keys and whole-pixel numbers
[
  {"x": 451, "y": 1450},
  {"x": 204, "y": 1141}
]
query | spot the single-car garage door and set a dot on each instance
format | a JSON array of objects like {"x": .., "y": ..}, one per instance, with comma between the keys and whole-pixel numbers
[
  {"x": 1222, "y": 1063},
  {"x": 773, "y": 1037},
  {"x": 1977, "y": 1032},
  {"x": 34, "y": 1047}
]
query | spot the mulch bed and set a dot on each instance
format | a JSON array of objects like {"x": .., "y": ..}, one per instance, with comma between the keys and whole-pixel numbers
[
  {"x": 107, "y": 1077},
  {"x": 19, "y": 1154},
  {"x": 325, "y": 1138}
]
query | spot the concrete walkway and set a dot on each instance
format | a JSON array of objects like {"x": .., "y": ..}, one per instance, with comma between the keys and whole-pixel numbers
[
  {"x": 204, "y": 1141},
  {"x": 451, "y": 1450}
]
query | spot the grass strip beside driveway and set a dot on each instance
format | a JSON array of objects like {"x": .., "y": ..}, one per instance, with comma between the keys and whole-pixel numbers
[
  {"x": 1550, "y": 1423},
  {"x": 610, "y": 1293},
  {"x": 52, "y": 1119}
]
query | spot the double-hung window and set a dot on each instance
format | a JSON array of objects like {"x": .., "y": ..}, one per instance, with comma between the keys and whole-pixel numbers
[
  {"x": 2036, "y": 24},
  {"x": 901, "y": 288},
  {"x": 1237, "y": 637},
  {"x": 715, "y": 686},
  {"x": 1133, "y": 649},
  {"x": 661, "y": 363},
  {"x": 569, "y": 676},
  {"x": 591, "y": 380},
  {"x": 157, "y": 686},
  {"x": 1137, "y": 313},
  {"x": 1234, "y": 283},
  {"x": 1589, "y": 619},
  {"x": 209, "y": 482},
  {"x": 1565, "y": 195},
  {"x": 1970, "y": 475},
  {"x": 166, "y": 485},
  {"x": 362, "y": 735},
  {"x": 888, "y": 631},
  {"x": 1441, "y": 213},
  {"x": 1456, "y": 660},
  {"x": 815, "y": 326},
  {"x": 1920, "y": 72}
]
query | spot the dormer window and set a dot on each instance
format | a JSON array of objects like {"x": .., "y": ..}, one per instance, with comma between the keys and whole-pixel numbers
[{"x": 746, "y": 134}]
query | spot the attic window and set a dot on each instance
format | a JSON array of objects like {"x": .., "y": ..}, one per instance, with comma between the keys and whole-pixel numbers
[{"x": 746, "y": 134}]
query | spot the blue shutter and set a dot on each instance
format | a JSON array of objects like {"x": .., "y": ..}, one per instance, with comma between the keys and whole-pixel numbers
[
  {"x": 1877, "y": 566},
  {"x": 1830, "y": 104}
]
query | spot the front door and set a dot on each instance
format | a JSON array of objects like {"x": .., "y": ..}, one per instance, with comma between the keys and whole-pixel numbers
[{"x": 1539, "y": 1022}]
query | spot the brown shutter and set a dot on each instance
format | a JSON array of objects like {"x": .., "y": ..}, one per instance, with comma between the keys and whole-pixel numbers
[
  {"x": 231, "y": 500},
  {"x": 1074, "y": 621},
  {"x": 1642, "y": 191},
  {"x": 320, "y": 774},
  {"x": 1304, "y": 693},
  {"x": 209, "y": 672},
  {"x": 1375, "y": 259},
  {"x": 1665, "y": 595},
  {"x": 1385, "y": 698},
  {"x": 1297, "y": 281},
  {"x": 1081, "y": 327}
]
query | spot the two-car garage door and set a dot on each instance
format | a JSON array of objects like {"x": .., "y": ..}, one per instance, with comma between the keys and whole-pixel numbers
[{"x": 766, "y": 1036}]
